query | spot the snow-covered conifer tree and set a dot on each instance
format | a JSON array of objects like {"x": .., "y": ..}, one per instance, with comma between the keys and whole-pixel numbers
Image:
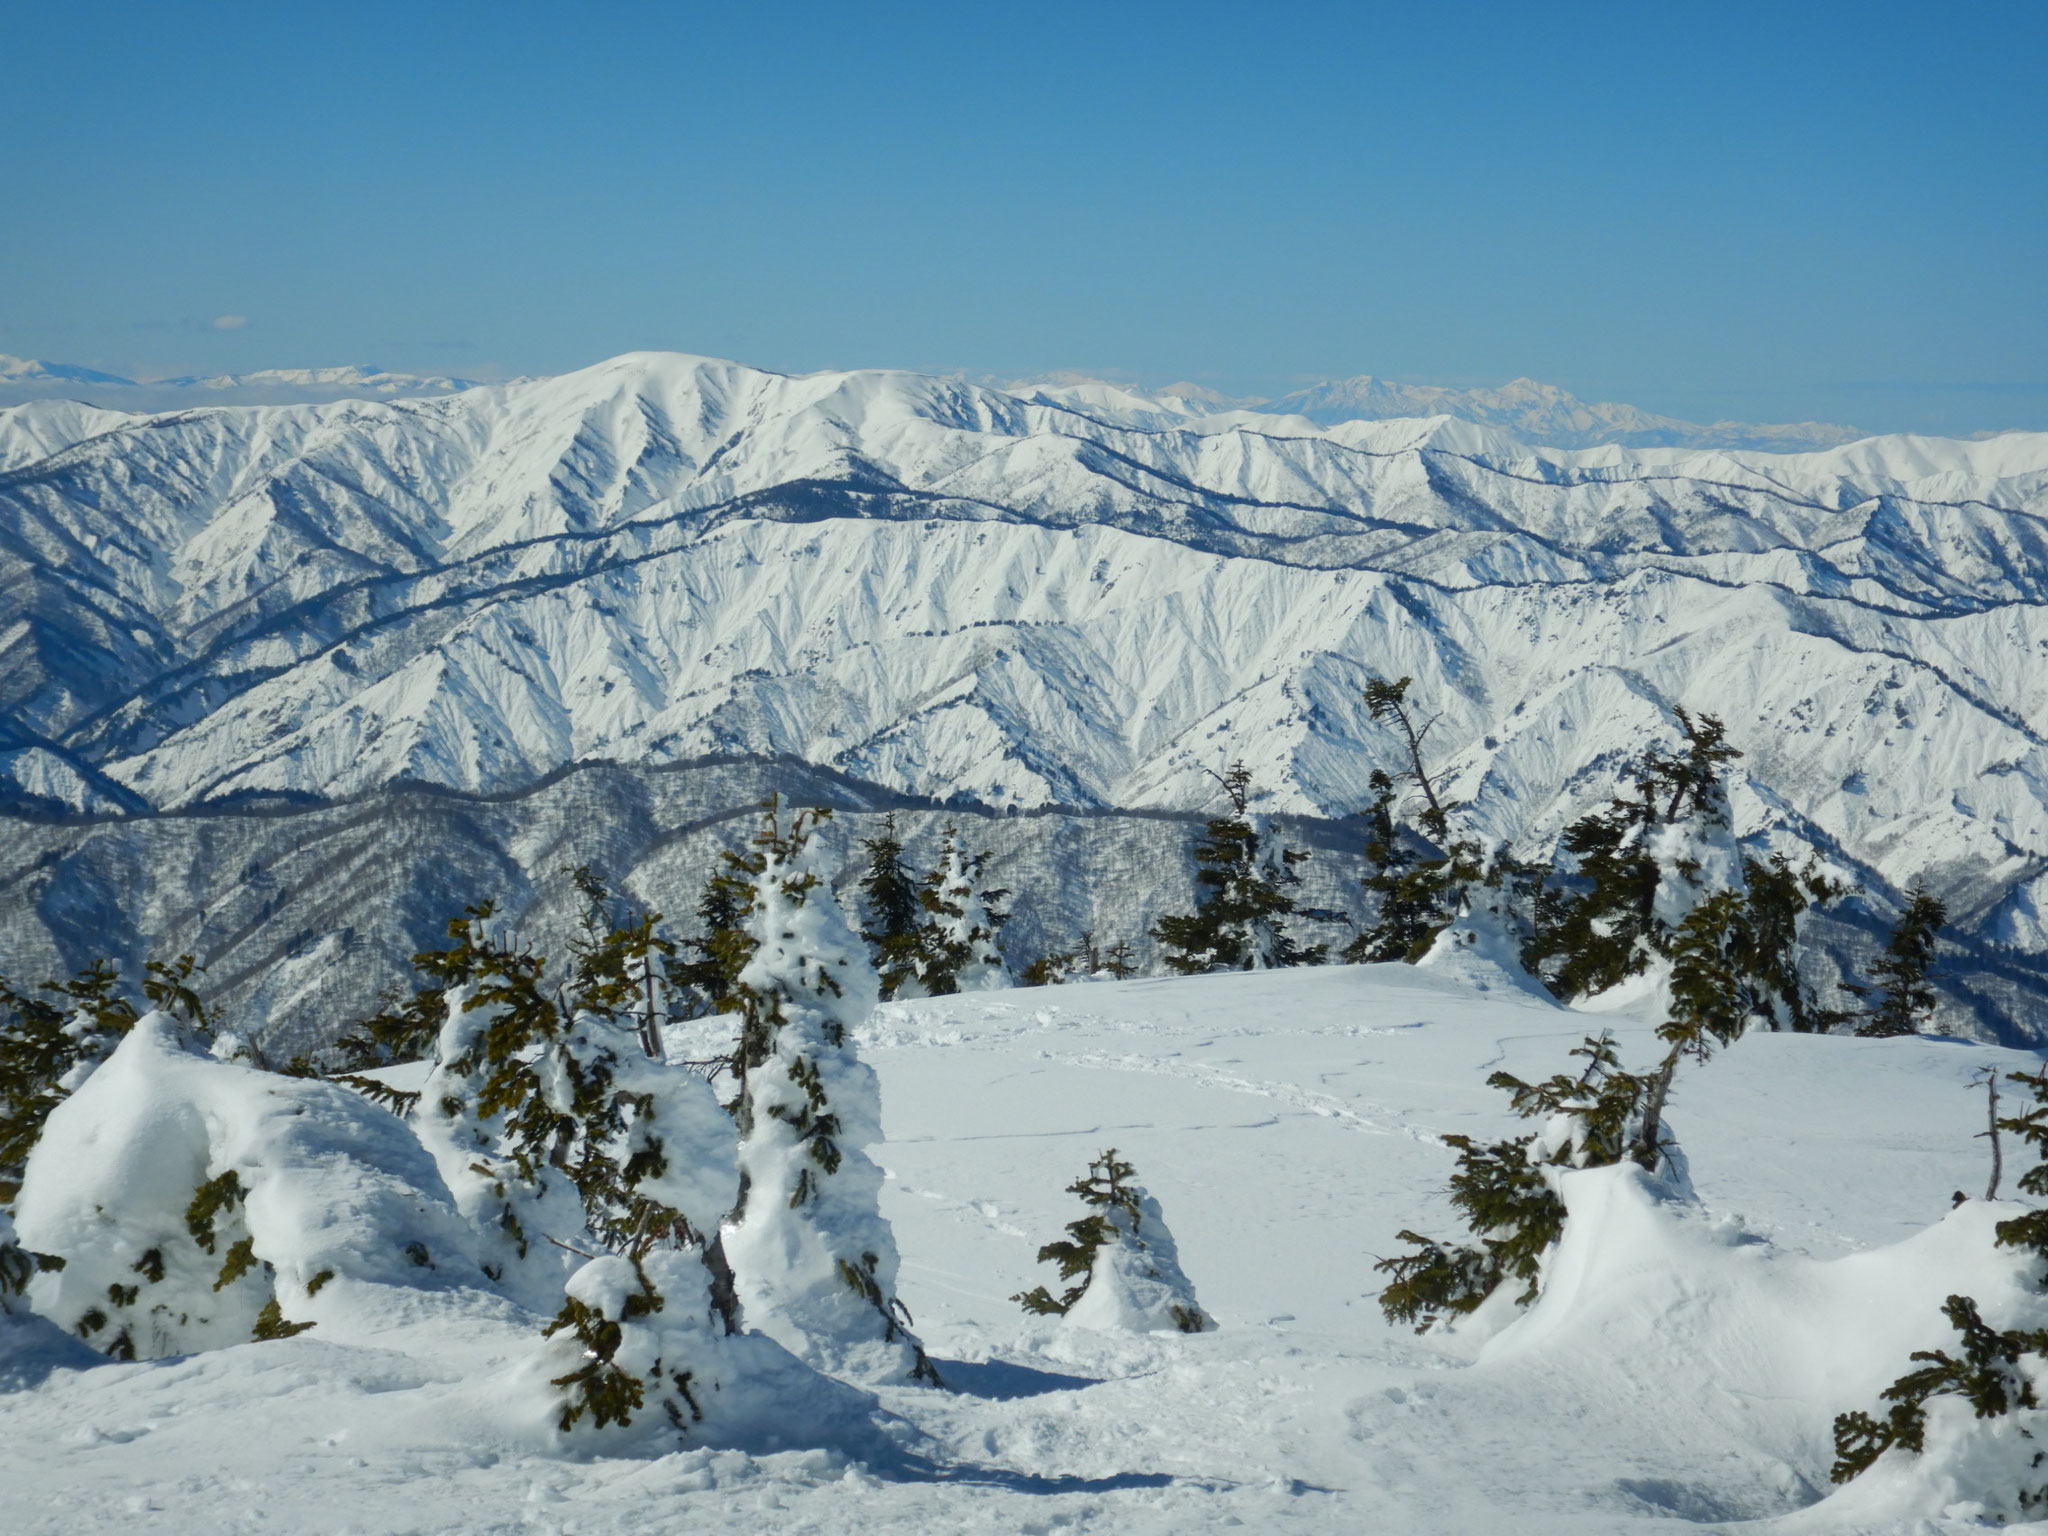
[
  {"x": 955, "y": 943},
  {"x": 595, "y": 1173},
  {"x": 1242, "y": 898},
  {"x": 815, "y": 1262},
  {"x": 1507, "y": 1191},
  {"x": 1658, "y": 879},
  {"x": 1122, "y": 1260},
  {"x": 50, "y": 1045}
]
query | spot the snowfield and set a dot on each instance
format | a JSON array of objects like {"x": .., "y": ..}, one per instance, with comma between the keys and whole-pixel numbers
[{"x": 1684, "y": 1364}]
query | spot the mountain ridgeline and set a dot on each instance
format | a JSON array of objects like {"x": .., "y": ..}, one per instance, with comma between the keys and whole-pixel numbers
[{"x": 492, "y": 632}]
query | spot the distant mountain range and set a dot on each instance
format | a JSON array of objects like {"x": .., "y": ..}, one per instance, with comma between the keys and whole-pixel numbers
[
  {"x": 1539, "y": 414},
  {"x": 1059, "y": 595},
  {"x": 23, "y": 379}
]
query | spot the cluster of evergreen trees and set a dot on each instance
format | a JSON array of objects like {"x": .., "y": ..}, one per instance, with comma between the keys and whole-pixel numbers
[
  {"x": 605, "y": 1184},
  {"x": 1653, "y": 878}
]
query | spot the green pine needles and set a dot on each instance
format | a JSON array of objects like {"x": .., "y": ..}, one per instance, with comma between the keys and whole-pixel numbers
[{"x": 1987, "y": 1376}]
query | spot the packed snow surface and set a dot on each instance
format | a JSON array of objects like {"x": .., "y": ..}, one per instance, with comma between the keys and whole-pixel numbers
[{"x": 1685, "y": 1362}]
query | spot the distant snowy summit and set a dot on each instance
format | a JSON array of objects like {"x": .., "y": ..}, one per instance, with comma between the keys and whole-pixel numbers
[
  {"x": 30, "y": 370},
  {"x": 25, "y": 378},
  {"x": 1541, "y": 415},
  {"x": 1547, "y": 415}
]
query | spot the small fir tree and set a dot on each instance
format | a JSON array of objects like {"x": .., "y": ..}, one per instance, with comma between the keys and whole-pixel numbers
[
  {"x": 1121, "y": 1259},
  {"x": 720, "y": 951},
  {"x": 1905, "y": 997},
  {"x": 954, "y": 946},
  {"x": 1412, "y": 883},
  {"x": 1388, "y": 704},
  {"x": 1242, "y": 898}
]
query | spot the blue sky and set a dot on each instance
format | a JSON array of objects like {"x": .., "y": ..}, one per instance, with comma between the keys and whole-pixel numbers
[{"x": 1764, "y": 211}]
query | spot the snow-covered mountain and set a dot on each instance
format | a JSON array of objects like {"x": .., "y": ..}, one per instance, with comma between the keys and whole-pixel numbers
[
  {"x": 23, "y": 379},
  {"x": 354, "y": 378},
  {"x": 1071, "y": 596},
  {"x": 34, "y": 371},
  {"x": 1544, "y": 413}
]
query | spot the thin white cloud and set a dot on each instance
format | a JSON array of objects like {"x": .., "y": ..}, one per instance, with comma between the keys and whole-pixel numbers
[{"x": 229, "y": 322}]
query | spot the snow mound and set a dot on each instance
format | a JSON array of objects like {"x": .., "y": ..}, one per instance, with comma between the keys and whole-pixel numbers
[{"x": 321, "y": 1204}]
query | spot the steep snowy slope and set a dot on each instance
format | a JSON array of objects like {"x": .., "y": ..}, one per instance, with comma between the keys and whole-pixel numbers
[
  {"x": 946, "y": 589},
  {"x": 1685, "y": 1369}
]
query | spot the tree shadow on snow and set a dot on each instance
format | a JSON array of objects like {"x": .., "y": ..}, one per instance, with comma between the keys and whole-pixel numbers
[
  {"x": 919, "y": 1469},
  {"x": 1001, "y": 1381},
  {"x": 31, "y": 1348}
]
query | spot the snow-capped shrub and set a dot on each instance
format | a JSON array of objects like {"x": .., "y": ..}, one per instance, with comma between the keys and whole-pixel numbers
[
  {"x": 1122, "y": 1259},
  {"x": 1996, "y": 1373},
  {"x": 1988, "y": 1376},
  {"x": 186, "y": 1203},
  {"x": 1507, "y": 1191},
  {"x": 814, "y": 1261}
]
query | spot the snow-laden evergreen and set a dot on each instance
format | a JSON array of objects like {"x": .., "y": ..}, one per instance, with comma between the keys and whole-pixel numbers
[
  {"x": 957, "y": 949},
  {"x": 814, "y": 1259},
  {"x": 1121, "y": 1259}
]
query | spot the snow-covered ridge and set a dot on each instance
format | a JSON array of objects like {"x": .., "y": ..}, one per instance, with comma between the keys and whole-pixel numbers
[
  {"x": 1531, "y": 411},
  {"x": 949, "y": 588}
]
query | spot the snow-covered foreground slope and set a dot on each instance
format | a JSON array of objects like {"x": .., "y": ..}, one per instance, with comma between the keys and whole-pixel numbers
[{"x": 1686, "y": 1364}]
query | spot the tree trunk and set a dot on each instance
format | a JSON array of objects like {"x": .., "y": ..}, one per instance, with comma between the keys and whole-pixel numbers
[
  {"x": 725, "y": 1295},
  {"x": 1647, "y": 1149}
]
